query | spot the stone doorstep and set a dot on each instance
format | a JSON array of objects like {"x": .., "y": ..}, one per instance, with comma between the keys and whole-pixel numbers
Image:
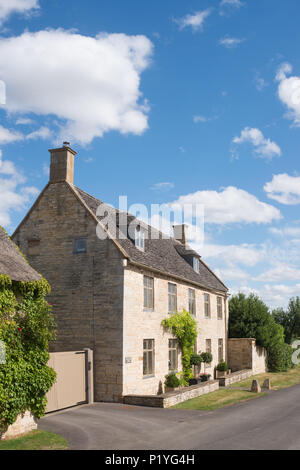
[
  {"x": 23, "y": 424},
  {"x": 166, "y": 400}
]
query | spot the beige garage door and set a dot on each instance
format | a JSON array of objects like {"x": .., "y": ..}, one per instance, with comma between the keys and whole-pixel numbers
[{"x": 70, "y": 387}]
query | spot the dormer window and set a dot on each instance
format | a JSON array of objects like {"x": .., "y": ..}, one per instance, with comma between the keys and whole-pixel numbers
[
  {"x": 139, "y": 239},
  {"x": 196, "y": 264}
]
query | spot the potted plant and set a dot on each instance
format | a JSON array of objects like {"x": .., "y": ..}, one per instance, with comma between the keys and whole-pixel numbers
[
  {"x": 222, "y": 369},
  {"x": 204, "y": 377},
  {"x": 206, "y": 357},
  {"x": 172, "y": 383}
]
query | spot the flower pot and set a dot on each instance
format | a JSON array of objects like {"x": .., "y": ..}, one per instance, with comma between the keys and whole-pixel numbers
[{"x": 194, "y": 381}]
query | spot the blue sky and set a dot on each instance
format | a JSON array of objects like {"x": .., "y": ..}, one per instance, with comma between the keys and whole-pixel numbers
[{"x": 195, "y": 101}]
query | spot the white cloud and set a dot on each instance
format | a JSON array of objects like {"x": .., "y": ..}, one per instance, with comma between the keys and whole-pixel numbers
[
  {"x": 233, "y": 3},
  {"x": 231, "y": 274},
  {"x": 42, "y": 133},
  {"x": 279, "y": 273},
  {"x": 199, "y": 118},
  {"x": 231, "y": 205},
  {"x": 91, "y": 83},
  {"x": 8, "y": 136},
  {"x": 284, "y": 189},
  {"x": 260, "y": 82},
  {"x": 7, "y": 7},
  {"x": 195, "y": 21},
  {"x": 264, "y": 148},
  {"x": 162, "y": 186},
  {"x": 226, "y": 6},
  {"x": 230, "y": 42},
  {"x": 285, "y": 231},
  {"x": 14, "y": 195},
  {"x": 245, "y": 254},
  {"x": 24, "y": 121},
  {"x": 289, "y": 92}
]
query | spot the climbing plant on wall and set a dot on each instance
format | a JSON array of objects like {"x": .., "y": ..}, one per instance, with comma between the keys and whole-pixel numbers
[
  {"x": 184, "y": 327},
  {"x": 26, "y": 327}
]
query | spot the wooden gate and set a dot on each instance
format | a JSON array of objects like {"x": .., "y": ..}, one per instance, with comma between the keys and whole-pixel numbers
[{"x": 72, "y": 387}]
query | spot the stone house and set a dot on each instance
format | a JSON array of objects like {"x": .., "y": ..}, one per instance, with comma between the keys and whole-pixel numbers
[{"x": 111, "y": 293}]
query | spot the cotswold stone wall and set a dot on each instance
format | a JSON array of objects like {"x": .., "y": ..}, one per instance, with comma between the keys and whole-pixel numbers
[
  {"x": 171, "y": 399},
  {"x": 243, "y": 353},
  {"x": 23, "y": 424},
  {"x": 140, "y": 324},
  {"x": 87, "y": 288}
]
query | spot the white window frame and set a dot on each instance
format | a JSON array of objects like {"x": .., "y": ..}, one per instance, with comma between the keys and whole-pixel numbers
[
  {"x": 207, "y": 310},
  {"x": 139, "y": 239},
  {"x": 172, "y": 298},
  {"x": 148, "y": 288},
  {"x": 192, "y": 300},
  {"x": 148, "y": 347},
  {"x": 196, "y": 264},
  {"x": 219, "y": 308}
]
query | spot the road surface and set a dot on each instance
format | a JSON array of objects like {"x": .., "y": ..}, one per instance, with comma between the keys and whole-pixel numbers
[{"x": 270, "y": 422}]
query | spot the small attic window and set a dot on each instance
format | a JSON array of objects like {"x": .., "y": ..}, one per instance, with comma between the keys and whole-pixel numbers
[
  {"x": 196, "y": 264},
  {"x": 139, "y": 239},
  {"x": 80, "y": 245}
]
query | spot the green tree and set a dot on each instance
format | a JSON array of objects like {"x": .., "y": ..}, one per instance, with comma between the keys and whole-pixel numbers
[
  {"x": 289, "y": 320},
  {"x": 249, "y": 317}
]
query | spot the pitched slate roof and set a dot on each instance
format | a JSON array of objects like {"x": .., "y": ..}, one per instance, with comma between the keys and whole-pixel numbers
[
  {"x": 12, "y": 262},
  {"x": 162, "y": 253}
]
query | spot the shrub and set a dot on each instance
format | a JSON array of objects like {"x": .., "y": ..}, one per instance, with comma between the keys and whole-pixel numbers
[
  {"x": 26, "y": 326},
  {"x": 205, "y": 377},
  {"x": 184, "y": 327},
  {"x": 196, "y": 360},
  {"x": 222, "y": 367},
  {"x": 172, "y": 380},
  {"x": 206, "y": 357},
  {"x": 280, "y": 358}
]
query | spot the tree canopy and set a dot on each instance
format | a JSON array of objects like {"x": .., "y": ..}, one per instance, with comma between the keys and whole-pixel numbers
[
  {"x": 249, "y": 317},
  {"x": 289, "y": 319}
]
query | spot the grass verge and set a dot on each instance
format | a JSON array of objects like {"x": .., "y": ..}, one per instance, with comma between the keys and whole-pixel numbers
[
  {"x": 229, "y": 396},
  {"x": 218, "y": 399},
  {"x": 36, "y": 440},
  {"x": 278, "y": 379}
]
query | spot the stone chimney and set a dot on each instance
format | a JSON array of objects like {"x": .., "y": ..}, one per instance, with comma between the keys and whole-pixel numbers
[
  {"x": 181, "y": 233},
  {"x": 62, "y": 164}
]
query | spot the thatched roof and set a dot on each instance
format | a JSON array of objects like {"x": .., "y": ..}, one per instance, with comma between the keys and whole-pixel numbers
[{"x": 12, "y": 262}]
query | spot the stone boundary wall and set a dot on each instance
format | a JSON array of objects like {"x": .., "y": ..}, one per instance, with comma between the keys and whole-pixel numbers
[
  {"x": 243, "y": 353},
  {"x": 23, "y": 424},
  {"x": 167, "y": 400},
  {"x": 235, "y": 377}
]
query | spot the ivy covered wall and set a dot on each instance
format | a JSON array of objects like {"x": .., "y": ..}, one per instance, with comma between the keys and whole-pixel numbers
[{"x": 26, "y": 327}]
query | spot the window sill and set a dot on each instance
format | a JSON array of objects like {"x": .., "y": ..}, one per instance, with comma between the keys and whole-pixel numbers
[
  {"x": 148, "y": 309},
  {"x": 148, "y": 376}
]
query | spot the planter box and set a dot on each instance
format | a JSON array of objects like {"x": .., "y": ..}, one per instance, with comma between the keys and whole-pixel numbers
[
  {"x": 235, "y": 377},
  {"x": 23, "y": 424},
  {"x": 220, "y": 373},
  {"x": 195, "y": 381},
  {"x": 173, "y": 389},
  {"x": 167, "y": 400}
]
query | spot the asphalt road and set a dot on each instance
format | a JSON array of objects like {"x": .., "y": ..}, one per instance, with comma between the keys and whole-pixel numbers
[{"x": 270, "y": 422}]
